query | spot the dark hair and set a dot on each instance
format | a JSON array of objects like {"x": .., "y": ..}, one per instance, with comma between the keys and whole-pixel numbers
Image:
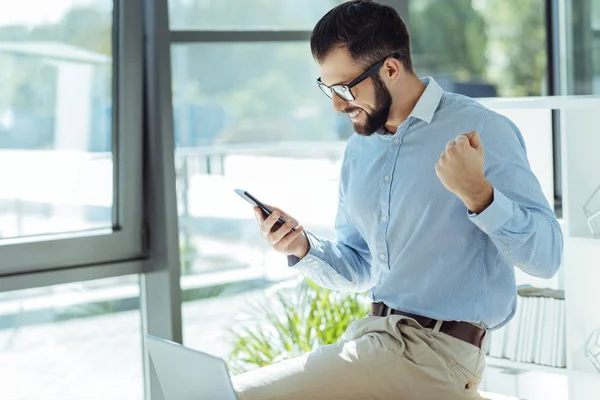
[{"x": 369, "y": 30}]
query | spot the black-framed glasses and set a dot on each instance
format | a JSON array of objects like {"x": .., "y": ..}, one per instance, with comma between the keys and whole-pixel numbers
[{"x": 345, "y": 91}]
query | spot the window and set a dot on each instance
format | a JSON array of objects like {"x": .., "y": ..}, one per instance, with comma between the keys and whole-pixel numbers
[
  {"x": 583, "y": 43},
  {"x": 55, "y": 119},
  {"x": 247, "y": 15},
  {"x": 270, "y": 96},
  {"x": 477, "y": 48},
  {"x": 71, "y": 342},
  {"x": 252, "y": 128},
  {"x": 68, "y": 194}
]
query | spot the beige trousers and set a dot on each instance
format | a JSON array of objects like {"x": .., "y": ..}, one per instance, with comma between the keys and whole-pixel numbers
[{"x": 377, "y": 358}]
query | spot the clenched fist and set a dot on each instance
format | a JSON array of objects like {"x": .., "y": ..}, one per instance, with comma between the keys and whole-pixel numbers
[{"x": 460, "y": 169}]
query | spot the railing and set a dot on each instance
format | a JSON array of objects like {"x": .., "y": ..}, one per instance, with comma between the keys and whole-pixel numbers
[{"x": 19, "y": 202}]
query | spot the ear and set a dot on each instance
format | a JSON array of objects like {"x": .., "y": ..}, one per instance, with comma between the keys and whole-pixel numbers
[{"x": 392, "y": 68}]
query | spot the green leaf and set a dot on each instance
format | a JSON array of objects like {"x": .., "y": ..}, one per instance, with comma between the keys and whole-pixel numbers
[{"x": 296, "y": 323}]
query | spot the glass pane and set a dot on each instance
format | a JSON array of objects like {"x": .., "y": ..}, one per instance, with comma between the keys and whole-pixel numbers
[
  {"x": 55, "y": 117},
  {"x": 470, "y": 47},
  {"x": 257, "y": 129},
  {"x": 71, "y": 342},
  {"x": 247, "y": 15},
  {"x": 273, "y": 97},
  {"x": 477, "y": 48},
  {"x": 583, "y": 48}
]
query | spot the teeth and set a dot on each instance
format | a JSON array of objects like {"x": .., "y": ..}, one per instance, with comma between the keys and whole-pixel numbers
[{"x": 354, "y": 113}]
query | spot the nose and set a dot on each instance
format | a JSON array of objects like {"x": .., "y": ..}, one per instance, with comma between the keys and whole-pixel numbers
[{"x": 338, "y": 103}]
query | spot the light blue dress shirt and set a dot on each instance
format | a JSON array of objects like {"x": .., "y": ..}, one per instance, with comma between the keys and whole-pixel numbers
[{"x": 413, "y": 243}]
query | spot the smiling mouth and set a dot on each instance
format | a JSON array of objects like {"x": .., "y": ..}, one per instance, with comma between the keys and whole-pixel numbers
[{"x": 354, "y": 114}]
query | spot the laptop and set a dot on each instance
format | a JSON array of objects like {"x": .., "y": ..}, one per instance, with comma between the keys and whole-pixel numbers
[{"x": 186, "y": 374}]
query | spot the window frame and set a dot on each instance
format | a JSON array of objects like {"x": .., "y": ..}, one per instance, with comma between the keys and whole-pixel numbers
[{"x": 124, "y": 242}]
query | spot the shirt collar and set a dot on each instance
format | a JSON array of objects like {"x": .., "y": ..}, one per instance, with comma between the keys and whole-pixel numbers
[
  {"x": 427, "y": 104},
  {"x": 429, "y": 100}
]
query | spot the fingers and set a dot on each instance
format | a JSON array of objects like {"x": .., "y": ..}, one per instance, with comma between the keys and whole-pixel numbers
[
  {"x": 461, "y": 140},
  {"x": 267, "y": 224},
  {"x": 474, "y": 139},
  {"x": 275, "y": 237},
  {"x": 458, "y": 143},
  {"x": 471, "y": 135},
  {"x": 289, "y": 238},
  {"x": 279, "y": 236}
]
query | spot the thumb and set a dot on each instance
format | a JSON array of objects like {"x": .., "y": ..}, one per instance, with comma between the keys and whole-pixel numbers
[{"x": 474, "y": 140}]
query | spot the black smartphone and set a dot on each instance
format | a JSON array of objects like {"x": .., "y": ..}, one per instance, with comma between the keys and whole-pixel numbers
[{"x": 266, "y": 211}]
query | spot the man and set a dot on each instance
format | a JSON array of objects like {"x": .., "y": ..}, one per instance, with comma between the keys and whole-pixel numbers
[{"x": 437, "y": 203}]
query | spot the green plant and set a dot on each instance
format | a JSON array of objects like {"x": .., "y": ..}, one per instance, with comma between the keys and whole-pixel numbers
[{"x": 294, "y": 325}]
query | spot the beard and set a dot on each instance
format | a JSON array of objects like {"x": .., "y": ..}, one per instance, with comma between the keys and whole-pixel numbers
[{"x": 378, "y": 117}]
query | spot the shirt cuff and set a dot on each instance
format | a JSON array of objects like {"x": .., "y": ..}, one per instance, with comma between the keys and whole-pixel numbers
[
  {"x": 315, "y": 257},
  {"x": 496, "y": 215}
]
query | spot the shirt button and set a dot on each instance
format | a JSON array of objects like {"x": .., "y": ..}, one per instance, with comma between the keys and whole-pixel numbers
[
  {"x": 382, "y": 256},
  {"x": 387, "y": 177},
  {"x": 505, "y": 251},
  {"x": 384, "y": 218},
  {"x": 396, "y": 141},
  {"x": 484, "y": 228}
]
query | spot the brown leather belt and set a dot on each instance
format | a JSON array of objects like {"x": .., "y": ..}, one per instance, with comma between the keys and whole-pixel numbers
[{"x": 460, "y": 330}]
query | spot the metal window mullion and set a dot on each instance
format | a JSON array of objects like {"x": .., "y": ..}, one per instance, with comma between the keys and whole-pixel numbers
[
  {"x": 197, "y": 36},
  {"x": 117, "y": 35},
  {"x": 160, "y": 287},
  {"x": 580, "y": 40},
  {"x": 129, "y": 122},
  {"x": 68, "y": 275},
  {"x": 554, "y": 73}
]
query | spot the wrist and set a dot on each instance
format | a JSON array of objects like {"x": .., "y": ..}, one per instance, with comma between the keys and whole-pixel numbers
[
  {"x": 304, "y": 249},
  {"x": 480, "y": 199}
]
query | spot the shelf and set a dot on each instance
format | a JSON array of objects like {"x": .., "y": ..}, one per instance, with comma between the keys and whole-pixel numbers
[
  {"x": 592, "y": 241},
  {"x": 505, "y": 363},
  {"x": 546, "y": 102}
]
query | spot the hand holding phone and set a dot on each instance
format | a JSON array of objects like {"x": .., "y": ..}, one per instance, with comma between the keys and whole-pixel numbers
[
  {"x": 265, "y": 210},
  {"x": 281, "y": 231}
]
